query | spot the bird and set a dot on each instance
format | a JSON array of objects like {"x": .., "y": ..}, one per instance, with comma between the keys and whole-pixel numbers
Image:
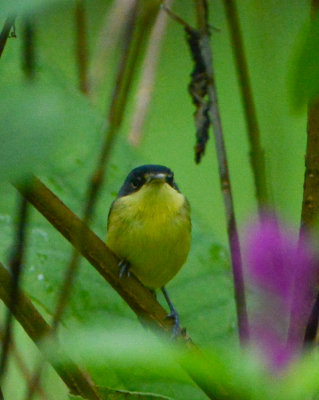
[{"x": 149, "y": 229}]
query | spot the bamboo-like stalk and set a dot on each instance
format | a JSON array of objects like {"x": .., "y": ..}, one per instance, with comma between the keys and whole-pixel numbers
[
  {"x": 81, "y": 45},
  {"x": 140, "y": 299},
  {"x": 310, "y": 200},
  {"x": 147, "y": 81},
  {"x": 109, "y": 39},
  {"x": 38, "y": 329},
  {"x": 233, "y": 237},
  {"x": 5, "y": 33},
  {"x": 257, "y": 158}
]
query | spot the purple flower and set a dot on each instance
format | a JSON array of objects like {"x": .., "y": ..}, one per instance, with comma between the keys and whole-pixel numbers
[{"x": 281, "y": 273}]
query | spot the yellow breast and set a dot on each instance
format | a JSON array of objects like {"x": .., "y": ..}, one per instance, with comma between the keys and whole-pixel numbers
[{"x": 151, "y": 230}]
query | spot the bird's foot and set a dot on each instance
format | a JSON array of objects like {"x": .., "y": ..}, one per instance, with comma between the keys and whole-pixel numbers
[
  {"x": 124, "y": 266},
  {"x": 172, "y": 315},
  {"x": 176, "y": 327}
]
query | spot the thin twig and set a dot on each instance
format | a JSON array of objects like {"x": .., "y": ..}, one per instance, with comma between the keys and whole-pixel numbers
[
  {"x": 81, "y": 45},
  {"x": 310, "y": 201},
  {"x": 233, "y": 238},
  {"x": 147, "y": 81},
  {"x": 15, "y": 268},
  {"x": 5, "y": 33},
  {"x": 37, "y": 329},
  {"x": 140, "y": 299},
  {"x": 257, "y": 158},
  {"x": 176, "y": 17}
]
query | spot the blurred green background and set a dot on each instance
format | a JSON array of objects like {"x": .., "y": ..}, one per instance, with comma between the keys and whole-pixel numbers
[{"x": 273, "y": 33}]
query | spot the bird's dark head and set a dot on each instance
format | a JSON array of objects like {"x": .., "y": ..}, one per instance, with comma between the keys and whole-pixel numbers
[{"x": 147, "y": 175}]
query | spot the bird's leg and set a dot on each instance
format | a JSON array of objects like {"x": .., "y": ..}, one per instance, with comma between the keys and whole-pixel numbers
[
  {"x": 124, "y": 266},
  {"x": 173, "y": 313}
]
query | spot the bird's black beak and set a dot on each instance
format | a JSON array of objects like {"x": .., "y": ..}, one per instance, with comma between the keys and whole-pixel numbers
[{"x": 156, "y": 178}]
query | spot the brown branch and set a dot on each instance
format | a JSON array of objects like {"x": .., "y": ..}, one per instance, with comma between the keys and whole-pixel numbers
[
  {"x": 310, "y": 200},
  {"x": 147, "y": 81},
  {"x": 38, "y": 329},
  {"x": 5, "y": 33},
  {"x": 140, "y": 299},
  {"x": 233, "y": 238},
  {"x": 81, "y": 45},
  {"x": 257, "y": 158}
]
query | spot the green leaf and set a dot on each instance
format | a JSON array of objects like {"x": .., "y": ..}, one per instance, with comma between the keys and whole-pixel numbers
[
  {"x": 229, "y": 374},
  {"x": 38, "y": 124},
  {"x": 306, "y": 73}
]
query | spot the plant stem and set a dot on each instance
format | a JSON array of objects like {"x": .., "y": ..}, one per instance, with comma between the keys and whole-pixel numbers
[
  {"x": 233, "y": 238},
  {"x": 37, "y": 329},
  {"x": 5, "y": 33},
  {"x": 310, "y": 201},
  {"x": 257, "y": 158},
  {"x": 81, "y": 45}
]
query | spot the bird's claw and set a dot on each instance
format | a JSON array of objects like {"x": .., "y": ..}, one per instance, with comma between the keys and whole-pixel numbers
[
  {"x": 124, "y": 268},
  {"x": 176, "y": 327}
]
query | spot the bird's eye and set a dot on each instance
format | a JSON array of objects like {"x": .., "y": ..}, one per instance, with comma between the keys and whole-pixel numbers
[
  {"x": 170, "y": 179},
  {"x": 136, "y": 182}
]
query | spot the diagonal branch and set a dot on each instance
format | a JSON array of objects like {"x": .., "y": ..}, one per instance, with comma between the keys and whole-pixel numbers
[{"x": 140, "y": 299}]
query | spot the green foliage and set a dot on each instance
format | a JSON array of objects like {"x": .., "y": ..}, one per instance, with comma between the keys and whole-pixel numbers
[
  {"x": 39, "y": 122},
  {"x": 232, "y": 374}
]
